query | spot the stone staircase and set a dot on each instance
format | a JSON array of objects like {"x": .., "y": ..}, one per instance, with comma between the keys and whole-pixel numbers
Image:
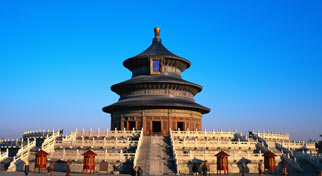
[
  {"x": 4, "y": 164},
  {"x": 156, "y": 157}
]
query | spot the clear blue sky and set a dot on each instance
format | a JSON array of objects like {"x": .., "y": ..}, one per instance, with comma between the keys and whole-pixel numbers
[{"x": 259, "y": 62}]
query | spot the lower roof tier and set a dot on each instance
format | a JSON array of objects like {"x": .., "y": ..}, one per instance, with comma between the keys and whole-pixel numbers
[{"x": 151, "y": 102}]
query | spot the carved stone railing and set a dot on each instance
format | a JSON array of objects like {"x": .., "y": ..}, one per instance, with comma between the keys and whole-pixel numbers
[
  {"x": 284, "y": 150},
  {"x": 210, "y": 156},
  {"x": 291, "y": 163},
  {"x": 37, "y": 133},
  {"x": 313, "y": 159},
  {"x": 70, "y": 137},
  {"x": 50, "y": 141},
  {"x": 175, "y": 156},
  {"x": 13, "y": 143},
  {"x": 259, "y": 139},
  {"x": 214, "y": 144},
  {"x": 105, "y": 133},
  {"x": 97, "y": 143},
  {"x": 137, "y": 152},
  {"x": 23, "y": 154},
  {"x": 217, "y": 134},
  {"x": 297, "y": 145},
  {"x": 4, "y": 155},
  {"x": 115, "y": 133},
  {"x": 102, "y": 155}
]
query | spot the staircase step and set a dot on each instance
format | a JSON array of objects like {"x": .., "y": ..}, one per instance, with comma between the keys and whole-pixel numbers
[{"x": 155, "y": 156}]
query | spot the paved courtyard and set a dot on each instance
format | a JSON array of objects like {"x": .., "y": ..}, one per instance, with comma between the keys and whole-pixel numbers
[{"x": 2, "y": 173}]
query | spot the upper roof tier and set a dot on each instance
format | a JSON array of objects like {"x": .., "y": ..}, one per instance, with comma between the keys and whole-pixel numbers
[{"x": 156, "y": 50}]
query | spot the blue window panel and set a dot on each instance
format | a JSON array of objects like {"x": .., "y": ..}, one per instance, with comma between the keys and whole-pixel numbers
[{"x": 156, "y": 65}]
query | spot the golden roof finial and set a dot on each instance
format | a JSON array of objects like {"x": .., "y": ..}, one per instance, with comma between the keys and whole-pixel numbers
[{"x": 157, "y": 32}]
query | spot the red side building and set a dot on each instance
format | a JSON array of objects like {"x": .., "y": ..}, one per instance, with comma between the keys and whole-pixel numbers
[
  {"x": 41, "y": 161},
  {"x": 89, "y": 161},
  {"x": 222, "y": 162}
]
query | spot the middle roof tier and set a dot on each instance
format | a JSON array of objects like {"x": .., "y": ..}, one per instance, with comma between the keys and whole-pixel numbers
[{"x": 155, "y": 82}]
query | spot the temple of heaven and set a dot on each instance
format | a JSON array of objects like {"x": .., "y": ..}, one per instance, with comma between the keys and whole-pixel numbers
[{"x": 156, "y": 98}]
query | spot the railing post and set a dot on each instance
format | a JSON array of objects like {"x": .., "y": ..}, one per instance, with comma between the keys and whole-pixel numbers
[
  {"x": 93, "y": 142},
  {"x": 64, "y": 153},
  {"x": 121, "y": 154},
  {"x": 105, "y": 154},
  {"x": 76, "y": 132},
  {"x": 77, "y": 153}
]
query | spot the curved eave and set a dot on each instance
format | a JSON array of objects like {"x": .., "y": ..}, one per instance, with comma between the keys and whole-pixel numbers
[
  {"x": 155, "y": 103},
  {"x": 154, "y": 50},
  {"x": 153, "y": 79}
]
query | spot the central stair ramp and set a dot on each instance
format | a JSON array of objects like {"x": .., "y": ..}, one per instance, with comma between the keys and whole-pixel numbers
[{"x": 155, "y": 156}]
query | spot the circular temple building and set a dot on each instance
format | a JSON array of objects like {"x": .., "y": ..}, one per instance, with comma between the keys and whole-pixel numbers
[{"x": 156, "y": 98}]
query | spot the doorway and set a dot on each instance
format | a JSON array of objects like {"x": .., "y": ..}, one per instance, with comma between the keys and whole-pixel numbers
[
  {"x": 156, "y": 127},
  {"x": 132, "y": 125},
  {"x": 180, "y": 125}
]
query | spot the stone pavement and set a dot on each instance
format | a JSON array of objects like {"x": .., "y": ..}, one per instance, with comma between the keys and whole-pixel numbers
[{"x": 3, "y": 173}]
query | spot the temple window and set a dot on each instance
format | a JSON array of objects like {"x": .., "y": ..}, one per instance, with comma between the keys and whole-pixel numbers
[{"x": 156, "y": 65}]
